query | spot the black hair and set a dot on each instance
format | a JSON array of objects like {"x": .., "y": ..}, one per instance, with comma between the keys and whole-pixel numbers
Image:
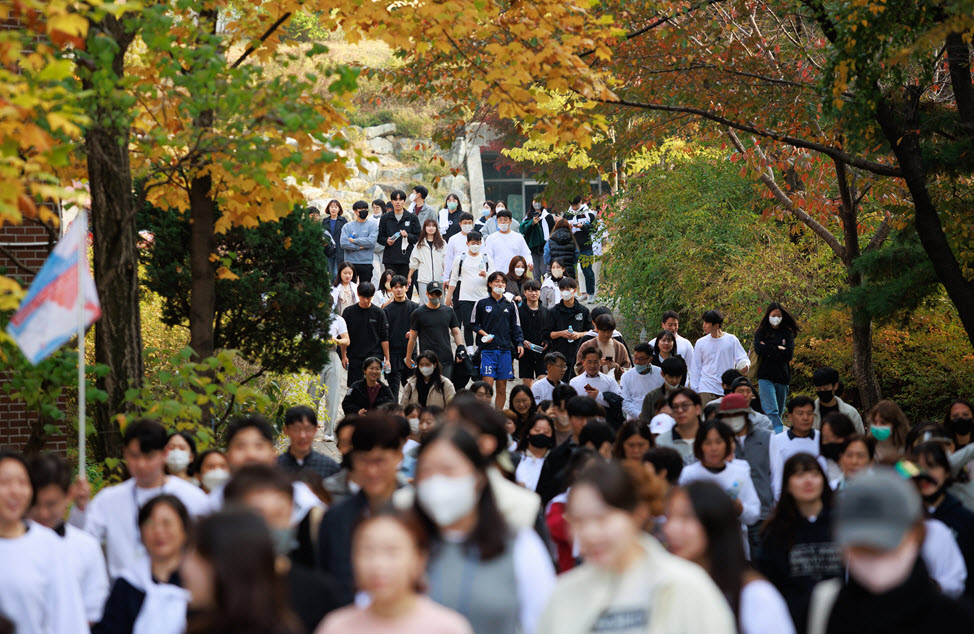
[
  {"x": 868, "y": 440},
  {"x": 257, "y": 477},
  {"x": 483, "y": 420},
  {"x": 742, "y": 380},
  {"x": 504, "y": 213},
  {"x": 397, "y": 193},
  {"x": 729, "y": 376},
  {"x": 437, "y": 238},
  {"x": 437, "y": 376},
  {"x": 713, "y": 316},
  {"x": 674, "y": 366},
  {"x": 422, "y": 191},
  {"x": 935, "y": 454},
  {"x": 520, "y": 421},
  {"x": 375, "y": 431},
  {"x": 781, "y": 522},
  {"x": 338, "y": 273},
  {"x": 688, "y": 393},
  {"x": 567, "y": 282},
  {"x": 726, "y": 561},
  {"x": 825, "y": 376},
  {"x": 576, "y": 200},
  {"x": 629, "y": 429},
  {"x": 475, "y": 236},
  {"x": 598, "y": 311},
  {"x": 840, "y": 424},
  {"x": 254, "y": 421},
  {"x": 48, "y": 468},
  {"x": 525, "y": 431},
  {"x": 300, "y": 413},
  {"x": 361, "y": 204},
  {"x": 723, "y": 429},
  {"x": 476, "y": 385},
  {"x": 397, "y": 280},
  {"x": 663, "y": 334},
  {"x": 387, "y": 274},
  {"x": 614, "y": 484},
  {"x": 369, "y": 361},
  {"x": 348, "y": 421},
  {"x": 552, "y": 358},
  {"x": 190, "y": 440},
  {"x": 800, "y": 401},
  {"x": 412, "y": 407},
  {"x": 465, "y": 216},
  {"x": 531, "y": 285},
  {"x": 365, "y": 289},
  {"x": 250, "y": 595},
  {"x": 150, "y": 434},
  {"x": 390, "y": 207},
  {"x": 787, "y": 321},
  {"x": 200, "y": 459},
  {"x": 596, "y": 432},
  {"x": 604, "y": 322},
  {"x": 669, "y": 314},
  {"x": 166, "y": 499},
  {"x": 593, "y": 350},
  {"x": 925, "y": 432},
  {"x": 562, "y": 394},
  {"x": 665, "y": 459},
  {"x": 496, "y": 275},
  {"x": 489, "y": 536},
  {"x": 583, "y": 407},
  {"x": 377, "y": 201},
  {"x": 453, "y": 196}
]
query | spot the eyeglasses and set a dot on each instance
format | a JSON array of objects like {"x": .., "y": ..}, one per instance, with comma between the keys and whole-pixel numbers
[
  {"x": 681, "y": 407},
  {"x": 560, "y": 367}
]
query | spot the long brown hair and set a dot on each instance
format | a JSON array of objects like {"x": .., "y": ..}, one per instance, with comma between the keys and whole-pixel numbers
[{"x": 437, "y": 238}]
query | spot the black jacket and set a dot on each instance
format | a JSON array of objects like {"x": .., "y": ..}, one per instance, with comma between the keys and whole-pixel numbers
[
  {"x": 358, "y": 397},
  {"x": 452, "y": 224},
  {"x": 960, "y": 520},
  {"x": 553, "y": 477},
  {"x": 388, "y": 227},
  {"x": 498, "y": 318},
  {"x": 532, "y": 323},
  {"x": 398, "y": 314},
  {"x": 562, "y": 248},
  {"x": 336, "y": 237},
  {"x": 335, "y": 542},
  {"x": 560, "y": 317},
  {"x": 774, "y": 365}
]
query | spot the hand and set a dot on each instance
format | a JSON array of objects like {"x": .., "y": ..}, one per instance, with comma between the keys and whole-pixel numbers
[
  {"x": 536, "y": 220},
  {"x": 352, "y": 240},
  {"x": 592, "y": 392},
  {"x": 781, "y": 348},
  {"x": 363, "y": 412},
  {"x": 576, "y": 335},
  {"x": 387, "y": 367},
  {"x": 407, "y": 336},
  {"x": 449, "y": 301},
  {"x": 527, "y": 344},
  {"x": 80, "y": 492},
  {"x": 391, "y": 241},
  {"x": 483, "y": 274},
  {"x": 344, "y": 362},
  {"x": 487, "y": 338},
  {"x": 517, "y": 299},
  {"x": 520, "y": 351},
  {"x": 402, "y": 232},
  {"x": 409, "y": 363},
  {"x": 738, "y": 507}
]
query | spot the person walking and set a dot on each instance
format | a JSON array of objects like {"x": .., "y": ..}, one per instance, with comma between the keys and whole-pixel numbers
[
  {"x": 470, "y": 275},
  {"x": 774, "y": 345},
  {"x": 431, "y": 328},
  {"x": 368, "y": 332},
  {"x": 399, "y": 316},
  {"x": 561, "y": 246},
  {"x": 358, "y": 241},
  {"x": 450, "y": 216},
  {"x": 715, "y": 353},
  {"x": 532, "y": 229},
  {"x": 495, "y": 320},
  {"x": 426, "y": 261},
  {"x": 504, "y": 245},
  {"x": 398, "y": 232},
  {"x": 333, "y": 224}
]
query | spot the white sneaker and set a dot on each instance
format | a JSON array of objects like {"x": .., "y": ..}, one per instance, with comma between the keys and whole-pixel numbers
[{"x": 329, "y": 438}]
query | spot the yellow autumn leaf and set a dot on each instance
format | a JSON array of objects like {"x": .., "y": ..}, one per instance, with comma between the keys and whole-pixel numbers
[
  {"x": 70, "y": 23},
  {"x": 223, "y": 273}
]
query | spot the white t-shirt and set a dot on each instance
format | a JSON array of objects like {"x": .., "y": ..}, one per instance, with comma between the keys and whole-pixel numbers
[
  {"x": 112, "y": 517},
  {"x": 338, "y": 327},
  {"x": 38, "y": 591},
  {"x": 529, "y": 470},
  {"x": 763, "y": 610},
  {"x": 712, "y": 357},
  {"x": 88, "y": 564},
  {"x": 943, "y": 558},
  {"x": 784, "y": 446},
  {"x": 636, "y": 386},
  {"x": 735, "y": 480},
  {"x": 456, "y": 245},
  {"x": 542, "y": 390},
  {"x": 602, "y": 382},
  {"x": 473, "y": 287},
  {"x": 501, "y": 248}
]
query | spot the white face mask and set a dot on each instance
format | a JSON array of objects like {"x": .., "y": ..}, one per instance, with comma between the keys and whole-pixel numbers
[
  {"x": 774, "y": 320},
  {"x": 519, "y": 270},
  {"x": 446, "y": 500},
  {"x": 504, "y": 227},
  {"x": 499, "y": 209},
  {"x": 467, "y": 228},
  {"x": 567, "y": 295},
  {"x": 537, "y": 205},
  {"x": 177, "y": 460},
  {"x": 426, "y": 370},
  {"x": 498, "y": 289},
  {"x": 557, "y": 273},
  {"x": 414, "y": 424},
  {"x": 412, "y": 197},
  {"x": 474, "y": 248},
  {"x": 881, "y": 573},
  {"x": 736, "y": 423},
  {"x": 214, "y": 479}
]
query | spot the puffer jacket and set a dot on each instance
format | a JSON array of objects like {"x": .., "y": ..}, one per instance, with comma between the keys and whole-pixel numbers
[{"x": 562, "y": 247}]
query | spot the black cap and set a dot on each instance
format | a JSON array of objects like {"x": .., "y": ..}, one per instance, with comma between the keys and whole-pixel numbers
[{"x": 434, "y": 287}]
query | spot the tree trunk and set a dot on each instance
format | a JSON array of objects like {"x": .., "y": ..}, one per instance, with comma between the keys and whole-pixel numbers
[
  {"x": 118, "y": 334},
  {"x": 202, "y": 297}
]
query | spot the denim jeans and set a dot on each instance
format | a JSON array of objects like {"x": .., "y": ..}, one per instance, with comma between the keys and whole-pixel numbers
[
  {"x": 773, "y": 396},
  {"x": 585, "y": 259}
]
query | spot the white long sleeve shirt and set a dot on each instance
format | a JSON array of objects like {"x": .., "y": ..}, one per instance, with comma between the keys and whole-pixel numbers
[
  {"x": 87, "y": 562},
  {"x": 735, "y": 480},
  {"x": 636, "y": 386},
  {"x": 601, "y": 382},
  {"x": 712, "y": 357},
  {"x": 501, "y": 248},
  {"x": 456, "y": 245}
]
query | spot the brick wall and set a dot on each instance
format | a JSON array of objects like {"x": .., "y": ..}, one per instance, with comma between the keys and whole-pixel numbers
[{"x": 29, "y": 244}]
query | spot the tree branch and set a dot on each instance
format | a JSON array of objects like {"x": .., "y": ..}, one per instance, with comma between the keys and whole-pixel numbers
[
  {"x": 882, "y": 232},
  {"x": 880, "y": 169},
  {"x": 660, "y": 22},
  {"x": 785, "y": 200},
  {"x": 263, "y": 38},
  {"x": 13, "y": 258}
]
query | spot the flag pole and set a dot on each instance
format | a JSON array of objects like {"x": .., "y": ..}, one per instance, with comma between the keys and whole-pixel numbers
[{"x": 82, "y": 276}]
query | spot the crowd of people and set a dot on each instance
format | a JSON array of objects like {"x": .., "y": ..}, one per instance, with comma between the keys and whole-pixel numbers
[{"x": 666, "y": 486}]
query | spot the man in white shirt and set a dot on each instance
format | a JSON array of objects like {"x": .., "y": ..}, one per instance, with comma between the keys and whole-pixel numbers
[
  {"x": 639, "y": 380},
  {"x": 556, "y": 365},
  {"x": 502, "y": 247},
  {"x": 470, "y": 271},
  {"x": 715, "y": 353},
  {"x": 50, "y": 476},
  {"x": 331, "y": 375},
  {"x": 456, "y": 245},
  {"x": 112, "y": 515},
  {"x": 801, "y": 437},
  {"x": 684, "y": 347},
  {"x": 592, "y": 382}
]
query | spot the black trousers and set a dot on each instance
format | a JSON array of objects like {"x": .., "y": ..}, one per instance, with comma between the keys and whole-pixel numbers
[
  {"x": 464, "y": 312},
  {"x": 363, "y": 272}
]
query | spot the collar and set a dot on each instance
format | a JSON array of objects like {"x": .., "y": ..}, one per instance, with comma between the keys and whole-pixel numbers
[
  {"x": 792, "y": 436},
  {"x": 61, "y": 529}
]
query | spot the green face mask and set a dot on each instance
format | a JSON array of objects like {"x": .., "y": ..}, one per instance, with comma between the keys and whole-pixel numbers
[{"x": 881, "y": 433}]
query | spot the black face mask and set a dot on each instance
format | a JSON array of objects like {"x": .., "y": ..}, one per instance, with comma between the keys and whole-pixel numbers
[
  {"x": 363, "y": 213},
  {"x": 540, "y": 441},
  {"x": 933, "y": 497},
  {"x": 831, "y": 450},
  {"x": 825, "y": 396},
  {"x": 961, "y": 426}
]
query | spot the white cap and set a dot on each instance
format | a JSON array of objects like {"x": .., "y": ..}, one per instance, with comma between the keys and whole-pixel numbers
[{"x": 661, "y": 424}]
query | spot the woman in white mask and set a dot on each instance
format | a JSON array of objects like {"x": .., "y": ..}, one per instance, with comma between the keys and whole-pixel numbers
[
  {"x": 212, "y": 469},
  {"x": 550, "y": 295},
  {"x": 180, "y": 456},
  {"x": 774, "y": 345},
  {"x": 497, "y": 579},
  {"x": 148, "y": 598},
  {"x": 428, "y": 386}
]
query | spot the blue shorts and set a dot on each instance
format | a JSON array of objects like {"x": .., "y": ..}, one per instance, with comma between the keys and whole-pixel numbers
[{"x": 496, "y": 364}]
